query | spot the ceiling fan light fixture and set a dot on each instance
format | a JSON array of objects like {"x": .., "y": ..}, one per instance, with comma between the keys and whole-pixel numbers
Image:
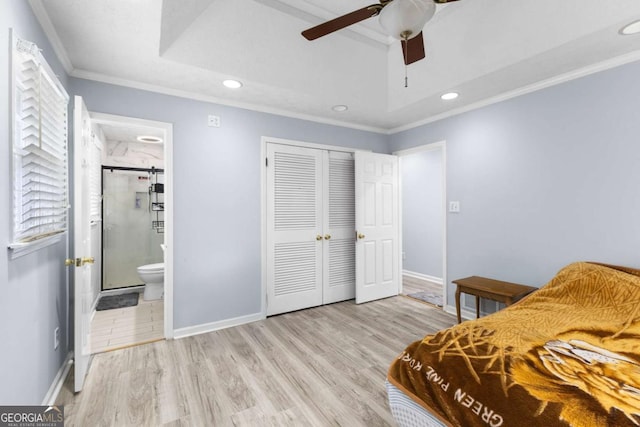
[
  {"x": 232, "y": 84},
  {"x": 404, "y": 19},
  {"x": 632, "y": 28},
  {"x": 449, "y": 96}
]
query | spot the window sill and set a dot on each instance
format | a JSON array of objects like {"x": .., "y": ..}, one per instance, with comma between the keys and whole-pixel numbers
[{"x": 16, "y": 250}]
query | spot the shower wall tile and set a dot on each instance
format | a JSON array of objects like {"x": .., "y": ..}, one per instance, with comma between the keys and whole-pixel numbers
[{"x": 133, "y": 154}]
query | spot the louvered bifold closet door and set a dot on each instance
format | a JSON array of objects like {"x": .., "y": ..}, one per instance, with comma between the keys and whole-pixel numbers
[
  {"x": 294, "y": 228},
  {"x": 339, "y": 278}
]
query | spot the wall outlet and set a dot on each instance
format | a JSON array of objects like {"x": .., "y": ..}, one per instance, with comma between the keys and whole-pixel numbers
[
  {"x": 454, "y": 207},
  {"x": 213, "y": 121},
  {"x": 56, "y": 338}
]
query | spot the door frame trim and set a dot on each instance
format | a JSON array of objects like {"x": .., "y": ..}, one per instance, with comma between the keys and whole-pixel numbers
[
  {"x": 167, "y": 128},
  {"x": 432, "y": 146},
  {"x": 264, "y": 140}
]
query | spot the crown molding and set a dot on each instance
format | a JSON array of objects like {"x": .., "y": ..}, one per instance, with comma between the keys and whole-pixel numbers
[
  {"x": 43, "y": 18},
  {"x": 88, "y": 75},
  {"x": 543, "y": 84}
]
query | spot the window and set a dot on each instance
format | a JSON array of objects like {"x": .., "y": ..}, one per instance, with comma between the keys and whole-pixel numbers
[
  {"x": 95, "y": 178},
  {"x": 39, "y": 158}
]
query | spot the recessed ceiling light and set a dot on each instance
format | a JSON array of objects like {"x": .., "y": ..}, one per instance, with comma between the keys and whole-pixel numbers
[
  {"x": 633, "y": 28},
  {"x": 149, "y": 139},
  {"x": 339, "y": 108},
  {"x": 449, "y": 96},
  {"x": 232, "y": 84}
]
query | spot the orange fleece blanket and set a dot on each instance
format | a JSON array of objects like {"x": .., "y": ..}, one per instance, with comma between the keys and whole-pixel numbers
[{"x": 566, "y": 355}]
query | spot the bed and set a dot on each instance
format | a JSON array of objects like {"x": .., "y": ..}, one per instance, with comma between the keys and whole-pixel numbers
[{"x": 566, "y": 355}]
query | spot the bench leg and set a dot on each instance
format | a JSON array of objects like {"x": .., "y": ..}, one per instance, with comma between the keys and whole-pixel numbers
[
  {"x": 477, "y": 307},
  {"x": 458, "y": 304}
]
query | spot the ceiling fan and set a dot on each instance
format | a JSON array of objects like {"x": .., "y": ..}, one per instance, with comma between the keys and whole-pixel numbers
[{"x": 401, "y": 19}]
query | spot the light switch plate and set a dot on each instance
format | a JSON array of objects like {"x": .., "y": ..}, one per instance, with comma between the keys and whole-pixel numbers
[
  {"x": 213, "y": 121},
  {"x": 454, "y": 206}
]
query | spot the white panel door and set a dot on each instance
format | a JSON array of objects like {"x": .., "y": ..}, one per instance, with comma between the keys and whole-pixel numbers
[
  {"x": 377, "y": 225},
  {"x": 294, "y": 228},
  {"x": 339, "y": 272},
  {"x": 84, "y": 150}
]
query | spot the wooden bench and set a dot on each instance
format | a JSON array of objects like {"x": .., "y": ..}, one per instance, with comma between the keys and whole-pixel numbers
[{"x": 496, "y": 290}]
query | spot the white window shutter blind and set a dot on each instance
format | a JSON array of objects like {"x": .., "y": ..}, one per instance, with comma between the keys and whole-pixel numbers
[
  {"x": 95, "y": 179},
  {"x": 39, "y": 132}
]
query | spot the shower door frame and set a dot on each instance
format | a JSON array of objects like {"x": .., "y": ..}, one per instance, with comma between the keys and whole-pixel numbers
[{"x": 126, "y": 169}]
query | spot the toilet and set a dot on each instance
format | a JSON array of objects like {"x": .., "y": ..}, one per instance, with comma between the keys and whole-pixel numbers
[{"x": 153, "y": 277}]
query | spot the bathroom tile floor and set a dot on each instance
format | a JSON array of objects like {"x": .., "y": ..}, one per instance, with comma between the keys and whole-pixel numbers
[{"x": 124, "y": 327}]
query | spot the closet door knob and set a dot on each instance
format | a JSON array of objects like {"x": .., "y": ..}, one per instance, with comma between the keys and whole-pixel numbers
[
  {"x": 327, "y": 236},
  {"x": 361, "y": 236},
  {"x": 319, "y": 237}
]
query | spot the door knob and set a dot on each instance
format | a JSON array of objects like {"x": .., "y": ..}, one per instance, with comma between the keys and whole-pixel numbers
[
  {"x": 361, "y": 236},
  {"x": 327, "y": 236},
  {"x": 319, "y": 237},
  {"x": 69, "y": 261}
]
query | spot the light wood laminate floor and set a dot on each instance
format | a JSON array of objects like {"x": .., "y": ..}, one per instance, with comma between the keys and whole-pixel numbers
[
  {"x": 411, "y": 285},
  {"x": 324, "y": 366}
]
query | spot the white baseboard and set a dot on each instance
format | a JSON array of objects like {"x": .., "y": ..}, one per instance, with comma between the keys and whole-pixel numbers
[
  {"x": 464, "y": 313},
  {"x": 58, "y": 381},
  {"x": 214, "y": 326},
  {"x": 421, "y": 276}
]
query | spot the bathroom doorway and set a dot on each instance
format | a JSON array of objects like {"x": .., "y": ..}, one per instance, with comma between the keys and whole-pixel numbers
[
  {"x": 137, "y": 231},
  {"x": 423, "y": 176}
]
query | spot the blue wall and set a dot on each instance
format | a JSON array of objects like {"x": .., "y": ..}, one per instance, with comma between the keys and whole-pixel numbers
[
  {"x": 34, "y": 287},
  {"x": 217, "y": 252},
  {"x": 422, "y": 212},
  {"x": 544, "y": 179}
]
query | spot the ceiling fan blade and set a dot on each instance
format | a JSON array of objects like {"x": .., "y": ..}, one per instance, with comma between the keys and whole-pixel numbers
[
  {"x": 342, "y": 22},
  {"x": 443, "y": 1},
  {"x": 413, "y": 49}
]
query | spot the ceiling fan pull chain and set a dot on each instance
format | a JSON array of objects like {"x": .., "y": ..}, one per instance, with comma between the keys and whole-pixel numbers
[{"x": 406, "y": 56}]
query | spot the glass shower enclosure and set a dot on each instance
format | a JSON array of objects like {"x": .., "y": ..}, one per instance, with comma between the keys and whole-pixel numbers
[{"x": 133, "y": 223}]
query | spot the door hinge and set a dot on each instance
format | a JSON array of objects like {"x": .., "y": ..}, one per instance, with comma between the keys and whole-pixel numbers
[{"x": 266, "y": 161}]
